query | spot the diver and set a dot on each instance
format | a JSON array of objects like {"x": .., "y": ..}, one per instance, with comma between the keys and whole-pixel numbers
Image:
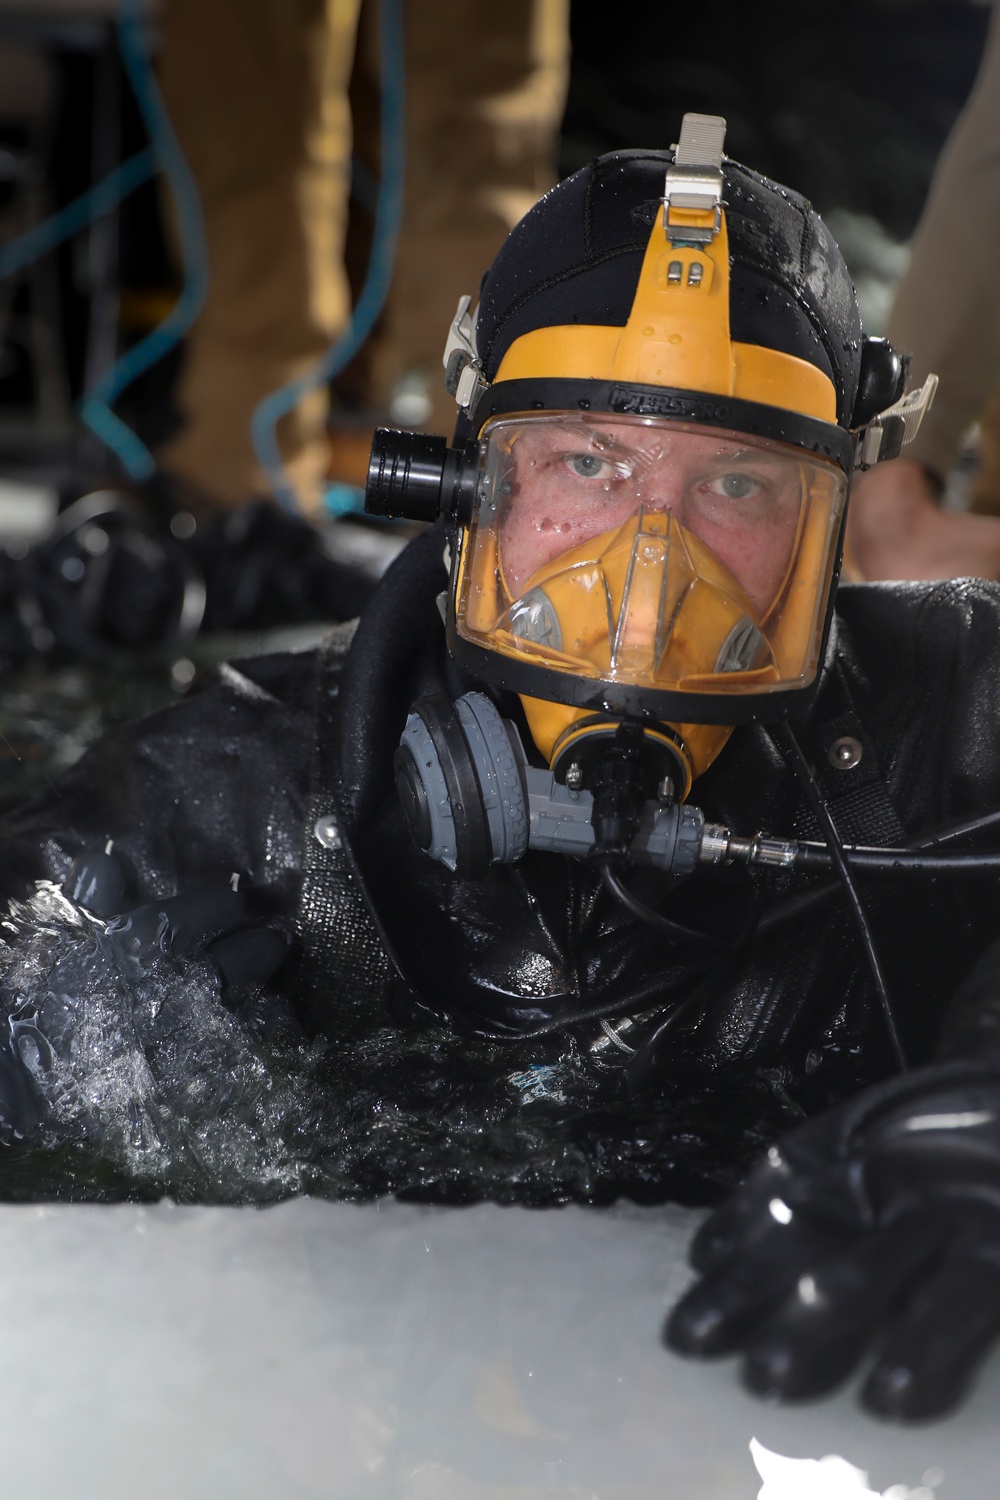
[{"x": 610, "y": 775}]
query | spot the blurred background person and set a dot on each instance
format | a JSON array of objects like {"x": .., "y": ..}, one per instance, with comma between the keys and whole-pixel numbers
[
  {"x": 258, "y": 93},
  {"x": 946, "y": 313}
]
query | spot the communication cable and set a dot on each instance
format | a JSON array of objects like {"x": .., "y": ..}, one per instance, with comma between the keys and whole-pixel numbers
[
  {"x": 975, "y": 860},
  {"x": 658, "y": 992},
  {"x": 800, "y": 766},
  {"x": 811, "y": 857},
  {"x": 643, "y": 1058},
  {"x": 677, "y": 932}
]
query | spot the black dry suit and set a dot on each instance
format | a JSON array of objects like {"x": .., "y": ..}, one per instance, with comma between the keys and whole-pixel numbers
[{"x": 283, "y": 773}]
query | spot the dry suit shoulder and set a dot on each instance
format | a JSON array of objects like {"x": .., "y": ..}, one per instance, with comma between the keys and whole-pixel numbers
[
  {"x": 289, "y": 676},
  {"x": 953, "y": 608},
  {"x": 922, "y": 653}
]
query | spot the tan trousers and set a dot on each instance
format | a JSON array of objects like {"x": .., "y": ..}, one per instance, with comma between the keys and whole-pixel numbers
[
  {"x": 947, "y": 307},
  {"x": 486, "y": 85},
  {"x": 257, "y": 92}
]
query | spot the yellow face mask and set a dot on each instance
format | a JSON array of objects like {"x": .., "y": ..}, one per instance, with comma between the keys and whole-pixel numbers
[
  {"x": 650, "y": 556},
  {"x": 648, "y": 601}
]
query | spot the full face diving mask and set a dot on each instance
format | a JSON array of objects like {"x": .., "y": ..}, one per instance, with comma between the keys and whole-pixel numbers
[
  {"x": 611, "y": 570},
  {"x": 628, "y": 565}
]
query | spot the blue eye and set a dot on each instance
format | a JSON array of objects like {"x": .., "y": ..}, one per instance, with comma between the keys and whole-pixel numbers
[
  {"x": 592, "y": 465},
  {"x": 735, "y": 486},
  {"x": 587, "y": 465}
]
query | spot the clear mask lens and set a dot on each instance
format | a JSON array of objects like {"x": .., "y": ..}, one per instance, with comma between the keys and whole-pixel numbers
[{"x": 653, "y": 553}]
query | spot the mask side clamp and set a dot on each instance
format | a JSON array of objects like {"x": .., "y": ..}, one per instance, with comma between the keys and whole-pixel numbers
[
  {"x": 463, "y": 369},
  {"x": 886, "y": 434}
]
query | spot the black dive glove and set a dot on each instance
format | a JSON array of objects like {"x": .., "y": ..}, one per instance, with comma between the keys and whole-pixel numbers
[
  {"x": 210, "y": 923},
  {"x": 881, "y": 1217}
]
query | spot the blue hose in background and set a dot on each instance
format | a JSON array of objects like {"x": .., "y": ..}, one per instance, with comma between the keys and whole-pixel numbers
[
  {"x": 95, "y": 409},
  {"x": 389, "y": 212},
  {"x": 99, "y": 200}
]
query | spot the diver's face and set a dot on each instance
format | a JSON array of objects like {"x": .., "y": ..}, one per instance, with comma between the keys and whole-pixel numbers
[{"x": 572, "y": 479}]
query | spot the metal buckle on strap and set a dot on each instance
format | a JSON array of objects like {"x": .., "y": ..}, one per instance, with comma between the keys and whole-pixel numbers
[
  {"x": 463, "y": 371},
  {"x": 692, "y": 195},
  {"x": 886, "y": 434}
]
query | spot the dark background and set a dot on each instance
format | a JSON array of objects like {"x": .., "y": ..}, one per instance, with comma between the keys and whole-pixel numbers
[{"x": 848, "y": 101}]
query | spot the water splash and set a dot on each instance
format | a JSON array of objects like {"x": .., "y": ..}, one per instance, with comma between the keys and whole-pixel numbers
[
  {"x": 139, "y": 1063},
  {"x": 145, "y": 1082}
]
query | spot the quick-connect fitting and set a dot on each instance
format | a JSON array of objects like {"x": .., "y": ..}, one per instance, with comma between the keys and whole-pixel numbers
[{"x": 720, "y": 846}]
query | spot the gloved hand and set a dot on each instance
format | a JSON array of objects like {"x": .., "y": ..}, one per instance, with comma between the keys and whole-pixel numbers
[
  {"x": 210, "y": 923},
  {"x": 879, "y": 1220}
]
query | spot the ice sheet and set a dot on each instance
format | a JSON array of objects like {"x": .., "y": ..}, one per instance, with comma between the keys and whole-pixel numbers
[{"x": 384, "y": 1351}]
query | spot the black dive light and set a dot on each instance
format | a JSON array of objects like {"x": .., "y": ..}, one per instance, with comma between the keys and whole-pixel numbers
[{"x": 415, "y": 476}]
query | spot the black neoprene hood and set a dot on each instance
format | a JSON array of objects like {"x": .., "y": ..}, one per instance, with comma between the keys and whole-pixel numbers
[{"x": 576, "y": 257}]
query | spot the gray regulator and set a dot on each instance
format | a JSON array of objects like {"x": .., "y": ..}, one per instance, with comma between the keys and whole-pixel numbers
[{"x": 473, "y": 800}]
